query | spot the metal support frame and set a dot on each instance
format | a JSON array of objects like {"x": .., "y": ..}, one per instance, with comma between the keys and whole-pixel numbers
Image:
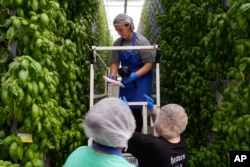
[
  {"x": 93, "y": 57},
  {"x": 95, "y": 48},
  {"x": 125, "y": 6},
  {"x": 144, "y": 114},
  {"x": 157, "y": 61}
]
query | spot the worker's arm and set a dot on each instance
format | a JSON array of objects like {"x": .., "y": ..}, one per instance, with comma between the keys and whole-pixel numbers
[
  {"x": 144, "y": 69},
  {"x": 114, "y": 69},
  {"x": 152, "y": 111},
  {"x": 153, "y": 115}
]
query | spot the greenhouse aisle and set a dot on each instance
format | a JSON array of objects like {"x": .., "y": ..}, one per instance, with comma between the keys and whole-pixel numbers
[
  {"x": 45, "y": 69},
  {"x": 114, "y": 7}
]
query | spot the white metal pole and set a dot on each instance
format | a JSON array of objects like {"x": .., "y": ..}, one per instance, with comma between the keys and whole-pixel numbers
[
  {"x": 144, "y": 114},
  {"x": 92, "y": 72},
  {"x": 158, "y": 97},
  {"x": 145, "y": 119},
  {"x": 91, "y": 103},
  {"x": 124, "y": 47}
]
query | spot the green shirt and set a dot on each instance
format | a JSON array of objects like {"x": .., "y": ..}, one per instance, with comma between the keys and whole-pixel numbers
[{"x": 85, "y": 156}]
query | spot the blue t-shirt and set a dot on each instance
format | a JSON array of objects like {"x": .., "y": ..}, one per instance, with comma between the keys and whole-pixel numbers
[{"x": 85, "y": 156}]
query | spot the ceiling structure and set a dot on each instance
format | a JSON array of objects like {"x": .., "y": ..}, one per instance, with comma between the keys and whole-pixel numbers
[{"x": 114, "y": 7}]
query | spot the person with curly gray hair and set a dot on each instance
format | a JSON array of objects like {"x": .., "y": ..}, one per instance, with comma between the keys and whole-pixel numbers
[
  {"x": 110, "y": 123},
  {"x": 169, "y": 148}
]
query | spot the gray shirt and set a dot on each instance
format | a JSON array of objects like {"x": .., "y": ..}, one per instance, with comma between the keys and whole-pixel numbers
[{"x": 146, "y": 55}]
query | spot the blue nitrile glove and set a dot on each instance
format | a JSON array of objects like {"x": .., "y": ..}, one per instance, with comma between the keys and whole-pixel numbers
[
  {"x": 123, "y": 98},
  {"x": 150, "y": 103},
  {"x": 111, "y": 76},
  {"x": 131, "y": 78}
]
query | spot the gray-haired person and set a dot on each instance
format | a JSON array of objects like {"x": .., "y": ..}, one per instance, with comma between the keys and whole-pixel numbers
[
  {"x": 110, "y": 123},
  {"x": 136, "y": 65},
  {"x": 169, "y": 148}
]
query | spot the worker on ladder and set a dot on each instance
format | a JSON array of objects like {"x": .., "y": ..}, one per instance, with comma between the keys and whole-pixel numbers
[{"x": 136, "y": 66}]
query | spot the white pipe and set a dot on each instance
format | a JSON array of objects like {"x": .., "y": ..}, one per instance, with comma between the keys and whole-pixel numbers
[
  {"x": 102, "y": 61},
  {"x": 142, "y": 103},
  {"x": 91, "y": 101},
  {"x": 158, "y": 101},
  {"x": 144, "y": 118},
  {"x": 124, "y": 47}
]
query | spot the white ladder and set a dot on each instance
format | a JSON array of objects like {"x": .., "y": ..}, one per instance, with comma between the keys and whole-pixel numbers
[{"x": 113, "y": 90}]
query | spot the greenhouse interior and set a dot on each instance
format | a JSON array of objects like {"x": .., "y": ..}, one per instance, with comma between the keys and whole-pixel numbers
[{"x": 52, "y": 73}]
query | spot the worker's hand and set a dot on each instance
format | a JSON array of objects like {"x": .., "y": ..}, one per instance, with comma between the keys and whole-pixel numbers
[
  {"x": 150, "y": 103},
  {"x": 111, "y": 76},
  {"x": 123, "y": 98},
  {"x": 131, "y": 78}
]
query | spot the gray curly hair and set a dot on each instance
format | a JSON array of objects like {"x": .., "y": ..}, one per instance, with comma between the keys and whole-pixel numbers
[{"x": 171, "y": 121}]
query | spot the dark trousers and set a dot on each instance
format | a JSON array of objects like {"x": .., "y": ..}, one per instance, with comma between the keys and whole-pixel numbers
[{"x": 138, "y": 118}]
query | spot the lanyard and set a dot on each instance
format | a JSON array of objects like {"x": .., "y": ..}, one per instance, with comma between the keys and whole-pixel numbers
[{"x": 107, "y": 149}]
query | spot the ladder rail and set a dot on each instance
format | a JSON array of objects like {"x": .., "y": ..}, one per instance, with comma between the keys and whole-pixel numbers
[
  {"x": 93, "y": 58},
  {"x": 94, "y": 48},
  {"x": 94, "y": 55}
]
